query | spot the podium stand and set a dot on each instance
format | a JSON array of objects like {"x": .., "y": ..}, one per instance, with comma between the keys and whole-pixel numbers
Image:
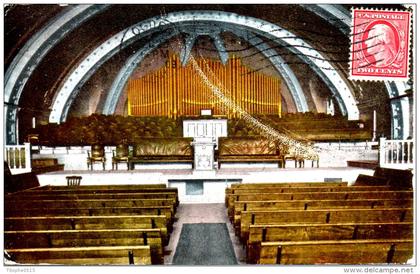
[{"x": 204, "y": 153}]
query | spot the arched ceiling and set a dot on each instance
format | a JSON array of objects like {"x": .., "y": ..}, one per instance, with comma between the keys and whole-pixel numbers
[{"x": 42, "y": 53}]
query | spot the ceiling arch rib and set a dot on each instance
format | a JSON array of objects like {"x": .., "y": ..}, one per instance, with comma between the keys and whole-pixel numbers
[
  {"x": 34, "y": 51},
  {"x": 280, "y": 65},
  {"x": 266, "y": 29}
]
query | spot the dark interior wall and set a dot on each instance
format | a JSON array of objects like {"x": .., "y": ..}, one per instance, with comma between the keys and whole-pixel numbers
[{"x": 21, "y": 22}]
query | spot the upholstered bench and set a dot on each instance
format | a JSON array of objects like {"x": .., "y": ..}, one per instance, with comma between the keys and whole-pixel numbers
[
  {"x": 162, "y": 150},
  {"x": 248, "y": 149}
]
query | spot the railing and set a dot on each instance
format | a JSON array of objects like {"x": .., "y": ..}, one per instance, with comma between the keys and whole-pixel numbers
[
  {"x": 18, "y": 157},
  {"x": 397, "y": 154}
]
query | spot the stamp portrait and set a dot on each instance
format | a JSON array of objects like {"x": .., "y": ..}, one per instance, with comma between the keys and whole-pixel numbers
[{"x": 380, "y": 45}]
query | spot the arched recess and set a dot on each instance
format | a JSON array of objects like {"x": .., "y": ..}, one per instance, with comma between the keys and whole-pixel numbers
[
  {"x": 278, "y": 63},
  {"x": 260, "y": 27},
  {"x": 323, "y": 68},
  {"x": 33, "y": 52}
]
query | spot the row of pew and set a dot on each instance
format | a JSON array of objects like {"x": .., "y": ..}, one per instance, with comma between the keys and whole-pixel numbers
[
  {"x": 89, "y": 225},
  {"x": 322, "y": 223}
]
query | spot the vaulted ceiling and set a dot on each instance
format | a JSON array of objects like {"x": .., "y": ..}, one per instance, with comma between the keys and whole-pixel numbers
[{"x": 73, "y": 60}]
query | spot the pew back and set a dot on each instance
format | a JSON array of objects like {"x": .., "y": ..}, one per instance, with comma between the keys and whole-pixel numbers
[
  {"x": 337, "y": 252},
  {"x": 109, "y": 255}
]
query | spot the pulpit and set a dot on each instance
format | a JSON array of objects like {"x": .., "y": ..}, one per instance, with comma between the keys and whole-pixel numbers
[
  {"x": 206, "y": 133},
  {"x": 204, "y": 153}
]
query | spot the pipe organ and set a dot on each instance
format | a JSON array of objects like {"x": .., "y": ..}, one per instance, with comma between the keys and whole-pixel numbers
[{"x": 175, "y": 90}]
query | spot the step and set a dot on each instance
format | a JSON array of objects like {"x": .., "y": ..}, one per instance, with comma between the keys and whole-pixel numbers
[{"x": 369, "y": 164}]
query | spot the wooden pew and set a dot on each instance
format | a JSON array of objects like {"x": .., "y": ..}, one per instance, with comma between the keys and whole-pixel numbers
[
  {"x": 101, "y": 187},
  {"x": 84, "y": 238},
  {"x": 292, "y": 185},
  {"x": 72, "y": 196},
  {"x": 397, "y": 177},
  {"x": 319, "y": 232},
  {"x": 337, "y": 252},
  {"x": 69, "y": 190},
  {"x": 316, "y": 204},
  {"x": 279, "y": 189},
  {"x": 166, "y": 211},
  {"x": 90, "y": 203},
  {"x": 323, "y": 216},
  {"x": 367, "y": 180},
  {"x": 102, "y": 255},
  {"x": 82, "y": 190},
  {"x": 301, "y": 185},
  {"x": 229, "y": 198},
  {"x": 87, "y": 223},
  {"x": 340, "y": 195},
  {"x": 309, "y": 189}
]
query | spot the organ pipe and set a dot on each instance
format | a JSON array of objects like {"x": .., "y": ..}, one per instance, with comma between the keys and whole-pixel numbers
[{"x": 174, "y": 90}]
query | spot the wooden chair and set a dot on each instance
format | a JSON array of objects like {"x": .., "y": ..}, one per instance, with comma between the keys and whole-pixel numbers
[
  {"x": 73, "y": 180},
  {"x": 97, "y": 154},
  {"x": 120, "y": 155}
]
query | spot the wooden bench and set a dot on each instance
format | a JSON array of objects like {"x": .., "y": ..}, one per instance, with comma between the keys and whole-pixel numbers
[
  {"x": 367, "y": 180},
  {"x": 397, "y": 177},
  {"x": 87, "y": 223},
  {"x": 67, "y": 190},
  {"x": 162, "y": 150},
  {"x": 101, "y": 187},
  {"x": 242, "y": 186},
  {"x": 82, "y": 238},
  {"x": 248, "y": 150},
  {"x": 316, "y": 204},
  {"x": 326, "y": 216},
  {"x": 100, "y": 190},
  {"x": 105, "y": 255},
  {"x": 337, "y": 252},
  {"x": 278, "y": 189},
  {"x": 341, "y": 195},
  {"x": 319, "y": 232},
  {"x": 75, "y": 196},
  {"x": 25, "y": 198},
  {"x": 166, "y": 211},
  {"x": 90, "y": 203},
  {"x": 293, "y": 185}
]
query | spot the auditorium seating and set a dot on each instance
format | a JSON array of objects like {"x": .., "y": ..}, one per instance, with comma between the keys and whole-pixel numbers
[
  {"x": 284, "y": 223},
  {"x": 114, "y": 129},
  {"x": 307, "y": 126},
  {"x": 84, "y": 225}
]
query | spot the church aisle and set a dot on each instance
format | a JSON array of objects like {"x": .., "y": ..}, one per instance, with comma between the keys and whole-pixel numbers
[
  {"x": 204, "y": 244},
  {"x": 198, "y": 214}
]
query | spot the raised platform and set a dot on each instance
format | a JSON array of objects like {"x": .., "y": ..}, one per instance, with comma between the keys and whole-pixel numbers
[
  {"x": 370, "y": 164},
  {"x": 206, "y": 186}
]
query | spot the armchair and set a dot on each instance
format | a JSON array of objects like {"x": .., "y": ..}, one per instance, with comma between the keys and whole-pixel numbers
[
  {"x": 97, "y": 154},
  {"x": 120, "y": 155}
]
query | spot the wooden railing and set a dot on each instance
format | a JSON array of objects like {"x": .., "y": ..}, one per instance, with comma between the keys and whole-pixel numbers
[
  {"x": 18, "y": 157},
  {"x": 397, "y": 154}
]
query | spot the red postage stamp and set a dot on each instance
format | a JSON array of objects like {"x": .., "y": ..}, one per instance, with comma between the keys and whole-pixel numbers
[{"x": 380, "y": 45}]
